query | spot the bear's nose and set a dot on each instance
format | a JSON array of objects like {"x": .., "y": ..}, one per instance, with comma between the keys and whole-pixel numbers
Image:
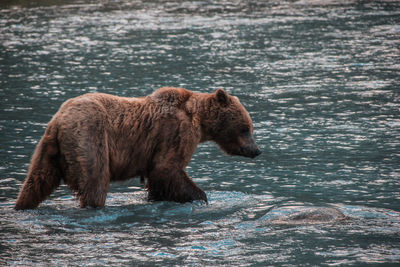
[
  {"x": 251, "y": 152},
  {"x": 258, "y": 152},
  {"x": 255, "y": 153}
]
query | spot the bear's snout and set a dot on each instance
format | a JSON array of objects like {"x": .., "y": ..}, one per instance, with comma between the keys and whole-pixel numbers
[
  {"x": 257, "y": 152},
  {"x": 251, "y": 151},
  {"x": 250, "y": 148}
]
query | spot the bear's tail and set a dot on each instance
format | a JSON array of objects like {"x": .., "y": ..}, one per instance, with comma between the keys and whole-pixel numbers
[{"x": 44, "y": 174}]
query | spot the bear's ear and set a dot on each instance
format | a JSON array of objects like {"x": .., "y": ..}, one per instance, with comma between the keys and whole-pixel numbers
[{"x": 222, "y": 97}]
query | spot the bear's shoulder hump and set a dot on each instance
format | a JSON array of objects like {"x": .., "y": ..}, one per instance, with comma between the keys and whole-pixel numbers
[{"x": 171, "y": 96}]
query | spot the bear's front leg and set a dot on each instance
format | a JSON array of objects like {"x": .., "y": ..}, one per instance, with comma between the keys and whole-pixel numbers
[{"x": 173, "y": 185}]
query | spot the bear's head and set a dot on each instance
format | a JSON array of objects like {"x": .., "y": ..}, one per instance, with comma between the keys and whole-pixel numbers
[{"x": 230, "y": 126}]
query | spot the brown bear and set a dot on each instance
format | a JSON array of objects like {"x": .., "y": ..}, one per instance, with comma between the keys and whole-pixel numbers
[{"x": 97, "y": 138}]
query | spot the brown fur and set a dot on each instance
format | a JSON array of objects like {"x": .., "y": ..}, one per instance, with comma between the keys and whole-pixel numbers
[{"x": 98, "y": 138}]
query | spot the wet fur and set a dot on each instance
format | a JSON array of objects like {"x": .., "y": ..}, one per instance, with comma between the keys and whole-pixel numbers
[{"x": 98, "y": 138}]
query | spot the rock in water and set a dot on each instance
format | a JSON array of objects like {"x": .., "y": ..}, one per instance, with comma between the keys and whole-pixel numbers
[{"x": 310, "y": 215}]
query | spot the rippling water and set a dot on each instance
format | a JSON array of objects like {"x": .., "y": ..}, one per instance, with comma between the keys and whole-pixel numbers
[{"x": 319, "y": 78}]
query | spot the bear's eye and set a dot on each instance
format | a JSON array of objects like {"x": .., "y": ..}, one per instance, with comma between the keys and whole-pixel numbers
[{"x": 245, "y": 130}]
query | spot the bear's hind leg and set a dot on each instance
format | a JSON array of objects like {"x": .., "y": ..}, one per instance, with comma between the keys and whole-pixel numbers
[
  {"x": 43, "y": 176},
  {"x": 89, "y": 179},
  {"x": 88, "y": 172},
  {"x": 93, "y": 193}
]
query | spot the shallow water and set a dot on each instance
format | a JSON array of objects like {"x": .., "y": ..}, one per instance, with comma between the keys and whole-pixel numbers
[{"x": 319, "y": 78}]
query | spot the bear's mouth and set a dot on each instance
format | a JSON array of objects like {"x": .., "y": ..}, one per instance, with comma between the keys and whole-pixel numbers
[{"x": 250, "y": 151}]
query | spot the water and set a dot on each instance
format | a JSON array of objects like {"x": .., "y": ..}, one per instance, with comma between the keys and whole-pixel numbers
[{"x": 319, "y": 78}]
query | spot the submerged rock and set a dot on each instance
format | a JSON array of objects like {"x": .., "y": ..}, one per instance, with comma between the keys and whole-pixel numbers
[{"x": 308, "y": 215}]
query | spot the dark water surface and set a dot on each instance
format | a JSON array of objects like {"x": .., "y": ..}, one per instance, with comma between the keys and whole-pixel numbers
[{"x": 319, "y": 78}]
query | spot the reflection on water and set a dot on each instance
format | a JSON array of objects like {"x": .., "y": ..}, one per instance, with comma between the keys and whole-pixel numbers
[{"x": 319, "y": 78}]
